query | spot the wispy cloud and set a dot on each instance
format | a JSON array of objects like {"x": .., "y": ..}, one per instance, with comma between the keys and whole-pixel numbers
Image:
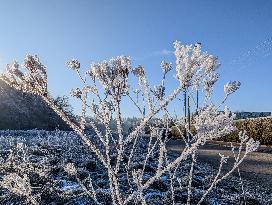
[{"x": 163, "y": 52}]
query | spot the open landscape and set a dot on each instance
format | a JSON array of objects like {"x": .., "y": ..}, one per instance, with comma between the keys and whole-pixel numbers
[{"x": 168, "y": 123}]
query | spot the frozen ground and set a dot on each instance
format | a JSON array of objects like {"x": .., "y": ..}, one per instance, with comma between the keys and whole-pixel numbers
[{"x": 49, "y": 152}]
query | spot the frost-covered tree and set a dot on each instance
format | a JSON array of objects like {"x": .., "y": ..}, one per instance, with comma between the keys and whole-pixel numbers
[{"x": 106, "y": 84}]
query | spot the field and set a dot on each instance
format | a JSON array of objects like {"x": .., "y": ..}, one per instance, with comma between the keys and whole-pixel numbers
[{"x": 40, "y": 159}]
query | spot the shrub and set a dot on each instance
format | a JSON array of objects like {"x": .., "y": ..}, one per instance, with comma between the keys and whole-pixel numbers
[{"x": 259, "y": 129}]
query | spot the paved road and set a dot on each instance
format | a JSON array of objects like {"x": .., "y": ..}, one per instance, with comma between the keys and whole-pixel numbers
[{"x": 257, "y": 166}]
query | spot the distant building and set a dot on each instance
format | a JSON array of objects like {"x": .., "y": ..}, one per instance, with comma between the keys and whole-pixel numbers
[{"x": 246, "y": 115}]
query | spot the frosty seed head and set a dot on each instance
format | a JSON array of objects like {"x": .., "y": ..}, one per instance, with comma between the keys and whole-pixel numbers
[
  {"x": 166, "y": 67},
  {"x": 73, "y": 64},
  {"x": 231, "y": 87}
]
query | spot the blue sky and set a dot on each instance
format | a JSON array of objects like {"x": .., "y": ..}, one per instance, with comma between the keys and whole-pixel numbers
[{"x": 239, "y": 32}]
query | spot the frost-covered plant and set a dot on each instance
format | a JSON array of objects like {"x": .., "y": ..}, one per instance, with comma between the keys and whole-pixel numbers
[{"x": 105, "y": 85}]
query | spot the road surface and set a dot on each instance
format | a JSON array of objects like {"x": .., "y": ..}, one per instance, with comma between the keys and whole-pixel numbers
[{"x": 256, "y": 166}]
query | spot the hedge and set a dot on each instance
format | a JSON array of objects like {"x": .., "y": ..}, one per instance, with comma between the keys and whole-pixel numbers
[{"x": 258, "y": 128}]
